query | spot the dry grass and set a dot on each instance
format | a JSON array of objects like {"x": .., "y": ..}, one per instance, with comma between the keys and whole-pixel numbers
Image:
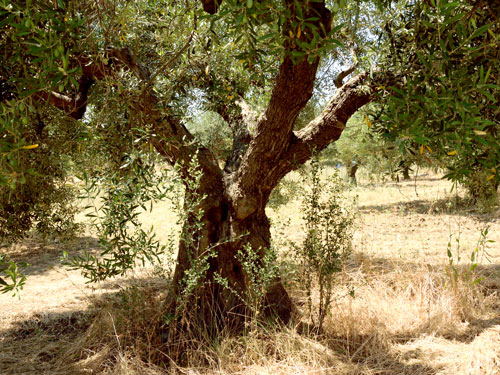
[{"x": 407, "y": 315}]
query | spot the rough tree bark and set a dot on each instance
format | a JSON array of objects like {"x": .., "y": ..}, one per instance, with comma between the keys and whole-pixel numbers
[{"x": 236, "y": 197}]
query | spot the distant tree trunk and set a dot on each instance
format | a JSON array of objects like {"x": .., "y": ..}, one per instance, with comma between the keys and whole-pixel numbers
[
  {"x": 406, "y": 172},
  {"x": 353, "y": 168}
]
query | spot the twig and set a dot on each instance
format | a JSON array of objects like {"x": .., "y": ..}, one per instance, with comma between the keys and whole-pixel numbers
[{"x": 175, "y": 57}]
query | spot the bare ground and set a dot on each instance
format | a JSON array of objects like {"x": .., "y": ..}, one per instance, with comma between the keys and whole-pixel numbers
[{"x": 407, "y": 316}]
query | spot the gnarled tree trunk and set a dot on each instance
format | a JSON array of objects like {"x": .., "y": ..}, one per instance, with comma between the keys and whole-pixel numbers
[{"x": 215, "y": 304}]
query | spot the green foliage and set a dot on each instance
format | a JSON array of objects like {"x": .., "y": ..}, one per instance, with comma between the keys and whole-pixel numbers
[
  {"x": 12, "y": 271},
  {"x": 260, "y": 272},
  {"x": 213, "y": 132},
  {"x": 36, "y": 145},
  {"x": 360, "y": 145},
  {"x": 284, "y": 192},
  {"x": 328, "y": 226},
  {"x": 264, "y": 28},
  {"x": 190, "y": 216},
  {"x": 455, "y": 271},
  {"x": 447, "y": 53},
  {"x": 40, "y": 37},
  {"x": 482, "y": 189},
  {"x": 37, "y": 191},
  {"x": 38, "y": 40},
  {"x": 115, "y": 203},
  {"x": 310, "y": 111}
]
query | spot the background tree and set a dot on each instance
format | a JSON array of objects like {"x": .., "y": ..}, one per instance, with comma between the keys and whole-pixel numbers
[{"x": 360, "y": 146}]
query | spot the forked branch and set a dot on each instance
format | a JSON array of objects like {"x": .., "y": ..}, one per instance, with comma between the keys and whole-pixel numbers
[
  {"x": 293, "y": 87},
  {"x": 328, "y": 126}
]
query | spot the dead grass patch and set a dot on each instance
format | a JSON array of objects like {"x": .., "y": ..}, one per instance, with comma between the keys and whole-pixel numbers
[{"x": 404, "y": 321}]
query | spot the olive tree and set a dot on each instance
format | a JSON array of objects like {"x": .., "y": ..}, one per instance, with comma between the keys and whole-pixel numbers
[{"x": 129, "y": 73}]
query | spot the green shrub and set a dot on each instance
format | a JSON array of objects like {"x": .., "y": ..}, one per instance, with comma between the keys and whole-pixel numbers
[{"x": 328, "y": 225}]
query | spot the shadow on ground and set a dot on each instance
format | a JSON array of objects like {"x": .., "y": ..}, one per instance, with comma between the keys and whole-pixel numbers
[
  {"x": 51, "y": 342},
  {"x": 488, "y": 286},
  {"x": 450, "y": 206},
  {"x": 44, "y": 255},
  {"x": 421, "y": 181},
  {"x": 39, "y": 344},
  {"x": 373, "y": 355},
  {"x": 33, "y": 346}
]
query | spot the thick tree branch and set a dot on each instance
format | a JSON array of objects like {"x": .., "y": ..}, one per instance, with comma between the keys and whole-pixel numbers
[
  {"x": 74, "y": 106},
  {"x": 170, "y": 137},
  {"x": 123, "y": 56},
  {"x": 292, "y": 90},
  {"x": 328, "y": 127},
  {"x": 169, "y": 62}
]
